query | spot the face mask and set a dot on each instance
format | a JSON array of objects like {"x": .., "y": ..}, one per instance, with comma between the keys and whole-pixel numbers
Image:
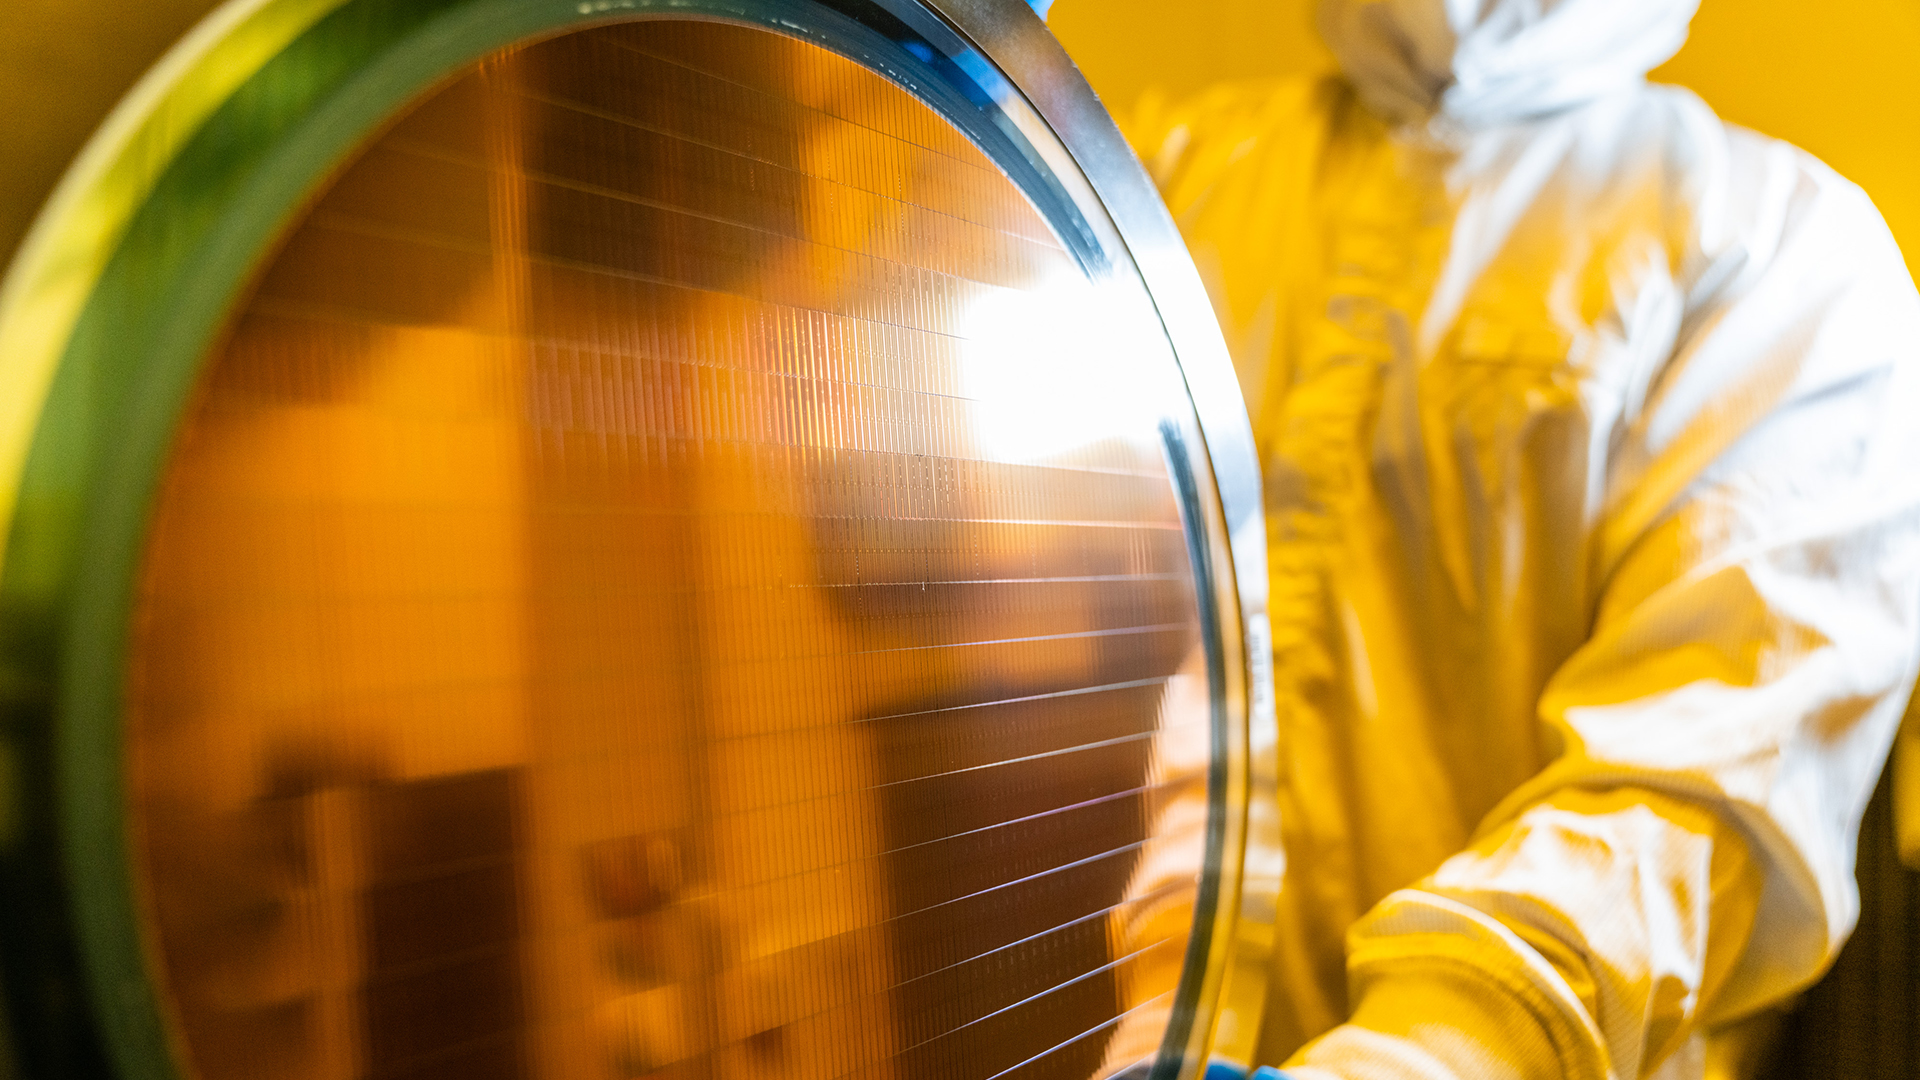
[{"x": 1399, "y": 53}]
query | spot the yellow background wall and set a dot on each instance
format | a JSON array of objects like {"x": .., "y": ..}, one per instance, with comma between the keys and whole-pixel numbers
[{"x": 1841, "y": 79}]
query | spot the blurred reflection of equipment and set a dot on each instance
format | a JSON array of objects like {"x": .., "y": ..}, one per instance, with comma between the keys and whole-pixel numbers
[{"x": 614, "y": 540}]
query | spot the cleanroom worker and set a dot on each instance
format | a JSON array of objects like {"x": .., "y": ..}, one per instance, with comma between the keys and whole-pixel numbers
[{"x": 1591, "y": 433}]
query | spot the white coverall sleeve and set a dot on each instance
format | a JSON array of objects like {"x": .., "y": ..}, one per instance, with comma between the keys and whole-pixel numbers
[{"x": 1688, "y": 857}]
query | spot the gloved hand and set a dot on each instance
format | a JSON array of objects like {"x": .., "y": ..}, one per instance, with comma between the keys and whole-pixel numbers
[
  {"x": 1216, "y": 1070},
  {"x": 1221, "y": 1070}
]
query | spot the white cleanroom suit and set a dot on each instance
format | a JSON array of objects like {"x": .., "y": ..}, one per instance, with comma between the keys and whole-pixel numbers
[{"x": 1591, "y": 428}]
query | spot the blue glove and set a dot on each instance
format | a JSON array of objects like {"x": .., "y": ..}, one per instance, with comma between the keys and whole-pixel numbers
[
  {"x": 1222, "y": 1070},
  {"x": 1041, "y": 6}
]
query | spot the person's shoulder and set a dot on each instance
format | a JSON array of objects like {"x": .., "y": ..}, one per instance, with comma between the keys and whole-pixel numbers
[
  {"x": 1748, "y": 169},
  {"x": 1762, "y": 197}
]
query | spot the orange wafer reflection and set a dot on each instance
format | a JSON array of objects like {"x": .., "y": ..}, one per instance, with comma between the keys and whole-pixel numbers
[{"x": 633, "y": 599}]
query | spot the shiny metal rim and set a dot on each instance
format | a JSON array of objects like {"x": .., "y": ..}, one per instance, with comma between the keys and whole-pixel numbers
[
  {"x": 206, "y": 162},
  {"x": 1045, "y": 76}
]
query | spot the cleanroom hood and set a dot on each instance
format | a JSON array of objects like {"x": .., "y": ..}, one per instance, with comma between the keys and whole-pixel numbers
[{"x": 1482, "y": 62}]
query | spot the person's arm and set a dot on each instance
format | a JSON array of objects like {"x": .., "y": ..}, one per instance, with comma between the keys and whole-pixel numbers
[{"x": 1688, "y": 857}]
